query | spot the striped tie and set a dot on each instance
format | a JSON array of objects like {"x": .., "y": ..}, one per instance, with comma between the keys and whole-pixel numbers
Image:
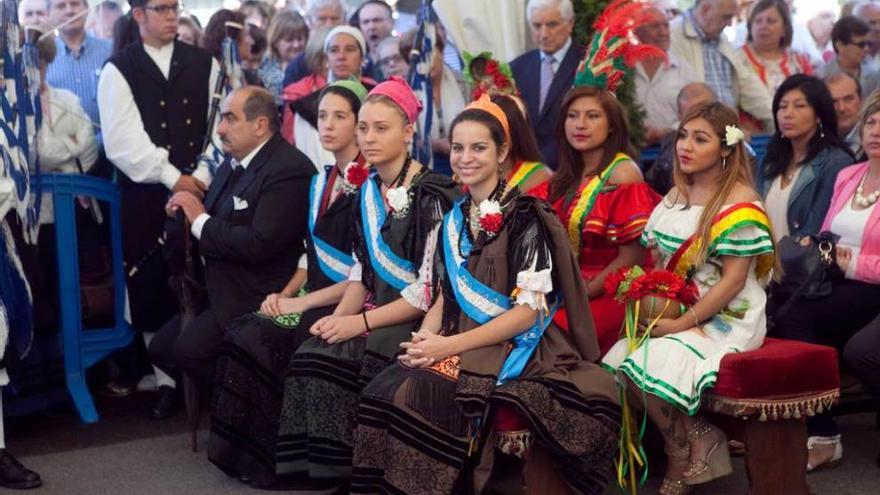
[{"x": 546, "y": 79}]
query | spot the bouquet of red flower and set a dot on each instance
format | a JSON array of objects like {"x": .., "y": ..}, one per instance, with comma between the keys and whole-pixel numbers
[
  {"x": 355, "y": 176},
  {"x": 652, "y": 295}
]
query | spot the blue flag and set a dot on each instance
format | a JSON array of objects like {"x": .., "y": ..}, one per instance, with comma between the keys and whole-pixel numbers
[{"x": 421, "y": 59}]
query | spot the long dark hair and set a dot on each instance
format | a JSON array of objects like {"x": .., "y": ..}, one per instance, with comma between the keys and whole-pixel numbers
[
  {"x": 779, "y": 150},
  {"x": 345, "y": 93},
  {"x": 571, "y": 164},
  {"x": 496, "y": 131},
  {"x": 125, "y": 32},
  {"x": 215, "y": 31},
  {"x": 523, "y": 145}
]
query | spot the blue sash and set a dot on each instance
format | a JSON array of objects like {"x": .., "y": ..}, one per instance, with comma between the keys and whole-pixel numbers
[
  {"x": 480, "y": 302},
  {"x": 334, "y": 263},
  {"x": 394, "y": 270}
]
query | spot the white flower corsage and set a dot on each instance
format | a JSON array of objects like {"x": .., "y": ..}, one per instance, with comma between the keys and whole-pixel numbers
[
  {"x": 398, "y": 200},
  {"x": 733, "y": 135}
]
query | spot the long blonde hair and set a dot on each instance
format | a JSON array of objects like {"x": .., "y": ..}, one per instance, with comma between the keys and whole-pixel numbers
[{"x": 735, "y": 169}]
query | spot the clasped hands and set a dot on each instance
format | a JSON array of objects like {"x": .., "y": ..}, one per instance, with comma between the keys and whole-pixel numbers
[
  {"x": 333, "y": 329},
  {"x": 191, "y": 205},
  {"x": 425, "y": 349}
]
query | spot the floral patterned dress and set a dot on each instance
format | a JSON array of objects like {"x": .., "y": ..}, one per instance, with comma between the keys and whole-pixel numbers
[{"x": 679, "y": 367}]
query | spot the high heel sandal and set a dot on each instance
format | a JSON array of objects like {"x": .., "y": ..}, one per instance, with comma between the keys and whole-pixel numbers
[
  {"x": 835, "y": 458},
  {"x": 676, "y": 487},
  {"x": 716, "y": 464}
]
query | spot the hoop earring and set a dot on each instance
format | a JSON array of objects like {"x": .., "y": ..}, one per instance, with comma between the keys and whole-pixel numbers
[{"x": 821, "y": 130}]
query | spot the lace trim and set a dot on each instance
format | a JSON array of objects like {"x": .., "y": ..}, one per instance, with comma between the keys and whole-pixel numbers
[{"x": 515, "y": 443}]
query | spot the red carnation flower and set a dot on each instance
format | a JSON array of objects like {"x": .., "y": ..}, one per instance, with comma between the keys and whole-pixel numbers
[
  {"x": 356, "y": 175},
  {"x": 613, "y": 281},
  {"x": 663, "y": 283},
  {"x": 689, "y": 294},
  {"x": 491, "y": 223}
]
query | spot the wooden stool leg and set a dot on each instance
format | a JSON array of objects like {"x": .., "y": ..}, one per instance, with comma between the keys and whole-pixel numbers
[
  {"x": 776, "y": 457},
  {"x": 541, "y": 476}
]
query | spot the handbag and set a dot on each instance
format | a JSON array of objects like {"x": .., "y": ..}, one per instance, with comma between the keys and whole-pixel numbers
[{"x": 809, "y": 268}]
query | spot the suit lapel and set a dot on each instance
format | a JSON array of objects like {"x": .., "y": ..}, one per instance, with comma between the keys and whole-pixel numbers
[
  {"x": 177, "y": 65},
  {"x": 256, "y": 164},
  {"x": 217, "y": 185},
  {"x": 531, "y": 89}
]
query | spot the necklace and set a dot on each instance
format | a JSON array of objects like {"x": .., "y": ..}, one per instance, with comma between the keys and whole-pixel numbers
[
  {"x": 401, "y": 176},
  {"x": 871, "y": 198}
]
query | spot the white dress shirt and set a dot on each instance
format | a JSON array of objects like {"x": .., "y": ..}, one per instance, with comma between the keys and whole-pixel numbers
[
  {"x": 659, "y": 95},
  {"x": 126, "y": 142},
  {"x": 558, "y": 55},
  {"x": 200, "y": 221}
]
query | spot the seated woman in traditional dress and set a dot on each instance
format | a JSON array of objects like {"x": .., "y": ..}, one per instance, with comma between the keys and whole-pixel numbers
[
  {"x": 394, "y": 214},
  {"x": 250, "y": 372},
  {"x": 523, "y": 167},
  {"x": 502, "y": 268},
  {"x": 712, "y": 229},
  {"x": 600, "y": 196}
]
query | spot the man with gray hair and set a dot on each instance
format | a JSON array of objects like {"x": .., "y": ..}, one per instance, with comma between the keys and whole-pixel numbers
[
  {"x": 80, "y": 55},
  {"x": 696, "y": 38},
  {"x": 249, "y": 231},
  {"x": 869, "y": 11},
  {"x": 545, "y": 74},
  {"x": 319, "y": 13},
  {"x": 846, "y": 93}
]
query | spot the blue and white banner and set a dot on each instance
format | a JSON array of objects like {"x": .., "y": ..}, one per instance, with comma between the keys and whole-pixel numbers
[
  {"x": 396, "y": 271},
  {"x": 421, "y": 60},
  {"x": 333, "y": 262}
]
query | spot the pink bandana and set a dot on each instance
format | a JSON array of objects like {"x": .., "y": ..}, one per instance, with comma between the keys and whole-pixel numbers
[{"x": 400, "y": 93}]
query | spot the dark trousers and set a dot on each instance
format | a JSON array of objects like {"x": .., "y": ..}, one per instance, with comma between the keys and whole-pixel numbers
[
  {"x": 192, "y": 350},
  {"x": 849, "y": 320}
]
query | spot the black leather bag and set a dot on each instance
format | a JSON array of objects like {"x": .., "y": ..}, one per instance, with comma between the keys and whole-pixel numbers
[
  {"x": 809, "y": 266},
  {"x": 809, "y": 269}
]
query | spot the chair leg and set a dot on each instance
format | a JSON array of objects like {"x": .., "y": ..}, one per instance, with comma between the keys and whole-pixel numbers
[
  {"x": 541, "y": 476},
  {"x": 776, "y": 457}
]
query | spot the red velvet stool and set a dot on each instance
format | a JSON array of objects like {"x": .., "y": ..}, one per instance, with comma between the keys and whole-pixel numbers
[{"x": 774, "y": 389}]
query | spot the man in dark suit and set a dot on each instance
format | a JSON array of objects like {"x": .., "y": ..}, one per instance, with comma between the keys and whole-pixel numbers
[
  {"x": 555, "y": 61},
  {"x": 249, "y": 230}
]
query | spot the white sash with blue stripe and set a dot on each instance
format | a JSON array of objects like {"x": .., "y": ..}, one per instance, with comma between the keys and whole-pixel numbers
[
  {"x": 393, "y": 269},
  {"x": 334, "y": 263},
  {"x": 480, "y": 302}
]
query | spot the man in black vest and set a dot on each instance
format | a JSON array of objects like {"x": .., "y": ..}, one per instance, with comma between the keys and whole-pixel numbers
[
  {"x": 250, "y": 230},
  {"x": 153, "y": 98}
]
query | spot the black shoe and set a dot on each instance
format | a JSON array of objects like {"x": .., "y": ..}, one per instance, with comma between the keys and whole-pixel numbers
[
  {"x": 166, "y": 403},
  {"x": 14, "y": 475}
]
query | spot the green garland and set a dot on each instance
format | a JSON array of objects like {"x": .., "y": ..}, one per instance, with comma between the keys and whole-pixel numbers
[{"x": 585, "y": 14}]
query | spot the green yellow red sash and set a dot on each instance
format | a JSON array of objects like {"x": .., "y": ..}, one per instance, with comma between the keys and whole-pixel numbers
[
  {"x": 725, "y": 222},
  {"x": 522, "y": 174},
  {"x": 586, "y": 199}
]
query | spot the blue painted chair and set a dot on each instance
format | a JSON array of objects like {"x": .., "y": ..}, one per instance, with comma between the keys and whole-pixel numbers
[{"x": 85, "y": 347}]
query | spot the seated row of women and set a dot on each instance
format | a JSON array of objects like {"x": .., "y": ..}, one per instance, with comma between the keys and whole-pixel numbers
[{"x": 437, "y": 321}]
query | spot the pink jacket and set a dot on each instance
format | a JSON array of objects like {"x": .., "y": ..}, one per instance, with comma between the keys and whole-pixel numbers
[{"x": 868, "y": 262}]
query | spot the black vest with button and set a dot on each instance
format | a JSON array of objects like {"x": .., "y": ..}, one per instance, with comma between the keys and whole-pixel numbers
[{"x": 174, "y": 113}]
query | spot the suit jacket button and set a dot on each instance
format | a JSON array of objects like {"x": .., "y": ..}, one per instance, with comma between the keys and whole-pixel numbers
[
  {"x": 164, "y": 125},
  {"x": 161, "y": 103},
  {"x": 185, "y": 101},
  {"x": 188, "y": 121}
]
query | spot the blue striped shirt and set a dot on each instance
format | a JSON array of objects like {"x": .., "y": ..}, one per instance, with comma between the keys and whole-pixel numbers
[{"x": 79, "y": 73}]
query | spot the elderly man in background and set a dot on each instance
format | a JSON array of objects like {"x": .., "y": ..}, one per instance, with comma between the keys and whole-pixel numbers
[
  {"x": 658, "y": 81},
  {"x": 846, "y": 93},
  {"x": 696, "y": 38},
  {"x": 375, "y": 18},
  {"x": 392, "y": 61},
  {"x": 32, "y": 13},
  {"x": 81, "y": 56},
  {"x": 320, "y": 13},
  {"x": 544, "y": 75}
]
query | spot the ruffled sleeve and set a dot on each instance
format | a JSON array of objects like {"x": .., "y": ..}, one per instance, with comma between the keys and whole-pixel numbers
[
  {"x": 746, "y": 240},
  {"x": 621, "y": 212},
  {"x": 531, "y": 261}
]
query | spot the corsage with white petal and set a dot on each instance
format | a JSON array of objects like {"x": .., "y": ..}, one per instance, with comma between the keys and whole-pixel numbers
[
  {"x": 354, "y": 177},
  {"x": 491, "y": 217},
  {"x": 733, "y": 135},
  {"x": 398, "y": 200}
]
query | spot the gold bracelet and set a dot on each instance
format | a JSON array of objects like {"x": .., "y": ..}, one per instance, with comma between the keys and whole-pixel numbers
[{"x": 696, "y": 320}]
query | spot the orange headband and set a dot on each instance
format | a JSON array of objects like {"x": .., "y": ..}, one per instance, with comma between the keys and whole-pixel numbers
[{"x": 485, "y": 104}]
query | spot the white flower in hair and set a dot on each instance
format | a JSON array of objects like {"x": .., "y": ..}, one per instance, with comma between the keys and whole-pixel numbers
[
  {"x": 733, "y": 135},
  {"x": 398, "y": 199}
]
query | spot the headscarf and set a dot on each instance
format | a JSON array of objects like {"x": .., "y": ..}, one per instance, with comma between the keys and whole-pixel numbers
[
  {"x": 352, "y": 85},
  {"x": 353, "y": 31},
  {"x": 398, "y": 91}
]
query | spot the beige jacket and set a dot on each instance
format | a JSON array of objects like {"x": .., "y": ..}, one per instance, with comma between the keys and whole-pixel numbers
[{"x": 751, "y": 95}]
